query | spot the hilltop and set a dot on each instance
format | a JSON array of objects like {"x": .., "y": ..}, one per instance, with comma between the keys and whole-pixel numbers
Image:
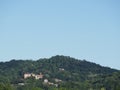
[{"x": 58, "y": 72}]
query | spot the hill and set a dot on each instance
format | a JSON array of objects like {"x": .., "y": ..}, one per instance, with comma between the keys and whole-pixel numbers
[{"x": 58, "y": 73}]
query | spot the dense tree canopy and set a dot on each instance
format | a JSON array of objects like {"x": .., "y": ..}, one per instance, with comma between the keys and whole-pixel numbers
[{"x": 73, "y": 74}]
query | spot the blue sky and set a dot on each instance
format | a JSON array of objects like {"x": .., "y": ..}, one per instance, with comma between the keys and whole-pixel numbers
[{"x": 84, "y": 29}]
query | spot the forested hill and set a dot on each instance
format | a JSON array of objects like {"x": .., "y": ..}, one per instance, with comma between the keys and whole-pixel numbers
[
  {"x": 66, "y": 69},
  {"x": 16, "y": 68}
]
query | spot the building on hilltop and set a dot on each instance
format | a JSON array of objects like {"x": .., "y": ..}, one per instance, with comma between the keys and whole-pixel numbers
[
  {"x": 36, "y": 76},
  {"x": 40, "y": 76},
  {"x": 27, "y": 75},
  {"x": 61, "y": 69},
  {"x": 45, "y": 80},
  {"x": 58, "y": 80}
]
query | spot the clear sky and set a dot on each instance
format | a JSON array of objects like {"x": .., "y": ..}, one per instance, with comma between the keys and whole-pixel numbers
[{"x": 84, "y": 29}]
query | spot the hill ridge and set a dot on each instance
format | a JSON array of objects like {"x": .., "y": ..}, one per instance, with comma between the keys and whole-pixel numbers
[{"x": 60, "y": 68}]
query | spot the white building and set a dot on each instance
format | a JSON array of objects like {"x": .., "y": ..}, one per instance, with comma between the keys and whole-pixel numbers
[
  {"x": 45, "y": 80},
  {"x": 27, "y": 75},
  {"x": 36, "y": 76}
]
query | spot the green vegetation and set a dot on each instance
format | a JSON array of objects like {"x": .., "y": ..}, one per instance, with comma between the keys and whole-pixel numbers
[{"x": 62, "y": 73}]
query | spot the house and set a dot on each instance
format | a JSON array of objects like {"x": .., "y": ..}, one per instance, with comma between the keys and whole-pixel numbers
[
  {"x": 27, "y": 75},
  {"x": 36, "y": 76},
  {"x": 61, "y": 69},
  {"x": 50, "y": 83},
  {"x": 58, "y": 80},
  {"x": 40, "y": 76},
  {"x": 45, "y": 80}
]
